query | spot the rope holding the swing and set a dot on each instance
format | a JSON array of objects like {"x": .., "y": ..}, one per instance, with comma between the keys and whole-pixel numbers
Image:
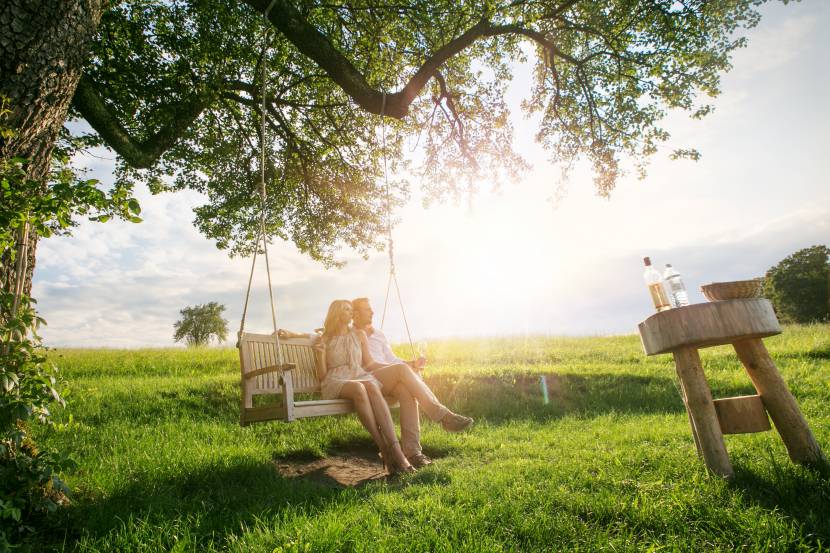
[
  {"x": 390, "y": 243},
  {"x": 262, "y": 236}
]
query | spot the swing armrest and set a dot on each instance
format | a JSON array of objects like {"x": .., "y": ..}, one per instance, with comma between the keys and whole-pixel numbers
[{"x": 271, "y": 369}]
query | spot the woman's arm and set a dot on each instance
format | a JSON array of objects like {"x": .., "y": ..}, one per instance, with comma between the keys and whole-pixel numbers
[
  {"x": 368, "y": 363},
  {"x": 320, "y": 357},
  {"x": 282, "y": 333}
]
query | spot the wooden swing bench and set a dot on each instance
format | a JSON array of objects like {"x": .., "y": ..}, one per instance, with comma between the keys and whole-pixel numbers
[{"x": 262, "y": 374}]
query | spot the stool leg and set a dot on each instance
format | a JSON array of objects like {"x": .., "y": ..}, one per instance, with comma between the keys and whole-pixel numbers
[
  {"x": 780, "y": 403},
  {"x": 702, "y": 411},
  {"x": 691, "y": 421}
]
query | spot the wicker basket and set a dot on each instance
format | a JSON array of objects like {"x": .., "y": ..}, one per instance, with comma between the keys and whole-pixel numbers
[{"x": 739, "y": 289}]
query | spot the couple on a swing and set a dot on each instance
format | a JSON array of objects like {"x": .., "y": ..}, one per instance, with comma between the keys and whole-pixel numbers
[{"x": 354, "y": 361}]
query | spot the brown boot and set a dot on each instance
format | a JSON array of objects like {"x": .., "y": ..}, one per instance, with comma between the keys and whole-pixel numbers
[{"x": 453, "y": 422}]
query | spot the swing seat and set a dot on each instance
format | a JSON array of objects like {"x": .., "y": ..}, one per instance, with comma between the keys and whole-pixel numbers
[{"x": 263, "y": 375}]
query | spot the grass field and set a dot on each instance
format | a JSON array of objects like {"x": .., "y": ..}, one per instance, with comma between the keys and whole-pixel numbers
[{"x": 607, "y": 465}]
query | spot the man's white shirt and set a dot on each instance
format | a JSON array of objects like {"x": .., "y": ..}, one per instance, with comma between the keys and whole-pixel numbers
[{"x": 379, "y": 348}]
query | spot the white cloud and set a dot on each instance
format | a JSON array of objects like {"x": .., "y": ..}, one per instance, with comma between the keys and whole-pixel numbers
[{"x": 776, "y": 43}]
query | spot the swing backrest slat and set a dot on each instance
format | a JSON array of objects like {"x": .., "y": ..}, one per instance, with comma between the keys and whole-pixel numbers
[{"x": 261, "y": 352}]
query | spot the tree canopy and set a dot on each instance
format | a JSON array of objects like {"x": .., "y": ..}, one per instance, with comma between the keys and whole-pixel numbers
[
  {"x": 174, "y": 87},
  {"x": 201, "y": 323},
  {"x": 799, "y": 286}
]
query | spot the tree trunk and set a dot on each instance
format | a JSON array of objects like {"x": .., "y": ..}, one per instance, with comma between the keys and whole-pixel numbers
[{"x": 43, "y": 48}]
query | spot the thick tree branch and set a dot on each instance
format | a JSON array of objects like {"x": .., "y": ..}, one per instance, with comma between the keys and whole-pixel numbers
[
  {"x": 316, "y": 46},
  {"x": 138, "y": 154},
  {"x": 312, "y": 43}
]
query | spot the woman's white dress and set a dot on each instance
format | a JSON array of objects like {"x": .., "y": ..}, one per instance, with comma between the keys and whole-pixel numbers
[{"x": 343, "y": 364}]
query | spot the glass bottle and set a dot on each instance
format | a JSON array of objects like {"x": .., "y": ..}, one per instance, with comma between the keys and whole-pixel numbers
[{"x": 677, "y": 290}]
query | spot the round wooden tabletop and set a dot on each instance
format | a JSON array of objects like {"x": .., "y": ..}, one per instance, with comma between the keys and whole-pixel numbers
[{"x": 708, "y": 324}]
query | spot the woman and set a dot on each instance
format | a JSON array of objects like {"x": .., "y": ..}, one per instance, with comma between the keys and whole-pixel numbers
[
  {"x": 343, "y": 360},
  {"x": 340, "y": 361}
]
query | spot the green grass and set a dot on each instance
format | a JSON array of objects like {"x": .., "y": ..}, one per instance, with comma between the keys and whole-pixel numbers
[{"x": 608, "y": 464}]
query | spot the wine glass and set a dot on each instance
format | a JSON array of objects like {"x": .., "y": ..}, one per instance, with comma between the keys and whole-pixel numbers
[{"x": 421, "y": 348}]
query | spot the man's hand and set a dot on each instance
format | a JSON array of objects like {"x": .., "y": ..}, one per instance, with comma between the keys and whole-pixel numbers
[{"x": 418, "y": 364}]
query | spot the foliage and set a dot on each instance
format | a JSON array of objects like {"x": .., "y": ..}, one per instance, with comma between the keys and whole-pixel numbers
[
  {"x": 29, "y": 481},
  {"x": 53, "y": 207},
  {"x": 187, "y": 75},
  {"x": 799, "y": 286},
  {"x": 200, "y": 323},
  {"x": 608, "y": 464}
]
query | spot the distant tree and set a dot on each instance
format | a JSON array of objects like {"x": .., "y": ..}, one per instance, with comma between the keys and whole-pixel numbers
[
  {"x": 799, "y": 286},
  {"x": 201, "y": 323}
]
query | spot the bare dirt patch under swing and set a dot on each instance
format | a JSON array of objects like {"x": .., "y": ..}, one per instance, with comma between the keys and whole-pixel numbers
[{"x": 345, "y": 469}]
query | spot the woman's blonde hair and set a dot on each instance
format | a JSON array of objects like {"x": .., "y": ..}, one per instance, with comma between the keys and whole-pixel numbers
[{"x": 334, "y": 317}]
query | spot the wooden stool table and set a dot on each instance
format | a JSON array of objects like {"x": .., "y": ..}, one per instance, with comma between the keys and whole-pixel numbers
[{"x": 742, "y": 323}]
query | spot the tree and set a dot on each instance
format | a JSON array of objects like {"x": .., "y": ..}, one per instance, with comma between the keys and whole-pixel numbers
[
  {"x": 173, "y": 86},
  {"x": 799, "y": 286},
  {"x": 201, "y": 323}
]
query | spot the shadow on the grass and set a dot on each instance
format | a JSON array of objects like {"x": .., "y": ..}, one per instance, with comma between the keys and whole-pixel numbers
[
  {"x": 815, "y": 354},
  {"x": 219, "y": 500},
  {"x": 801, "y": 494},
  {"x": 222, "y": 500}
]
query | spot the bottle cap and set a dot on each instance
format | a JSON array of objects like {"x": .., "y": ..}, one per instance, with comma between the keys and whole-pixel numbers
[
  {"x": 668, "y": 264},
  {"x": 647, "y": 261}
]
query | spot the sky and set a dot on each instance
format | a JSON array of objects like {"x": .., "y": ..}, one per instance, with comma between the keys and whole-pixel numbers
[{"x": 510, "y": 261}]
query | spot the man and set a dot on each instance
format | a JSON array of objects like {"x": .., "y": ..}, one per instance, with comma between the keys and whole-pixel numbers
[
  {"x": 381, "y": 352},
  {"x": 378, "y": 344}
]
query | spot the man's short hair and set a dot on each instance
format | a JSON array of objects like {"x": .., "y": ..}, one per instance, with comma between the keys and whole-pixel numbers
[{"x": 359, "y": 301}]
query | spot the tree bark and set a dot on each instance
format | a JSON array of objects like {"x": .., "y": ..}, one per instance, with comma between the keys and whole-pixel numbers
[{"x": 43, "y": 47}]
